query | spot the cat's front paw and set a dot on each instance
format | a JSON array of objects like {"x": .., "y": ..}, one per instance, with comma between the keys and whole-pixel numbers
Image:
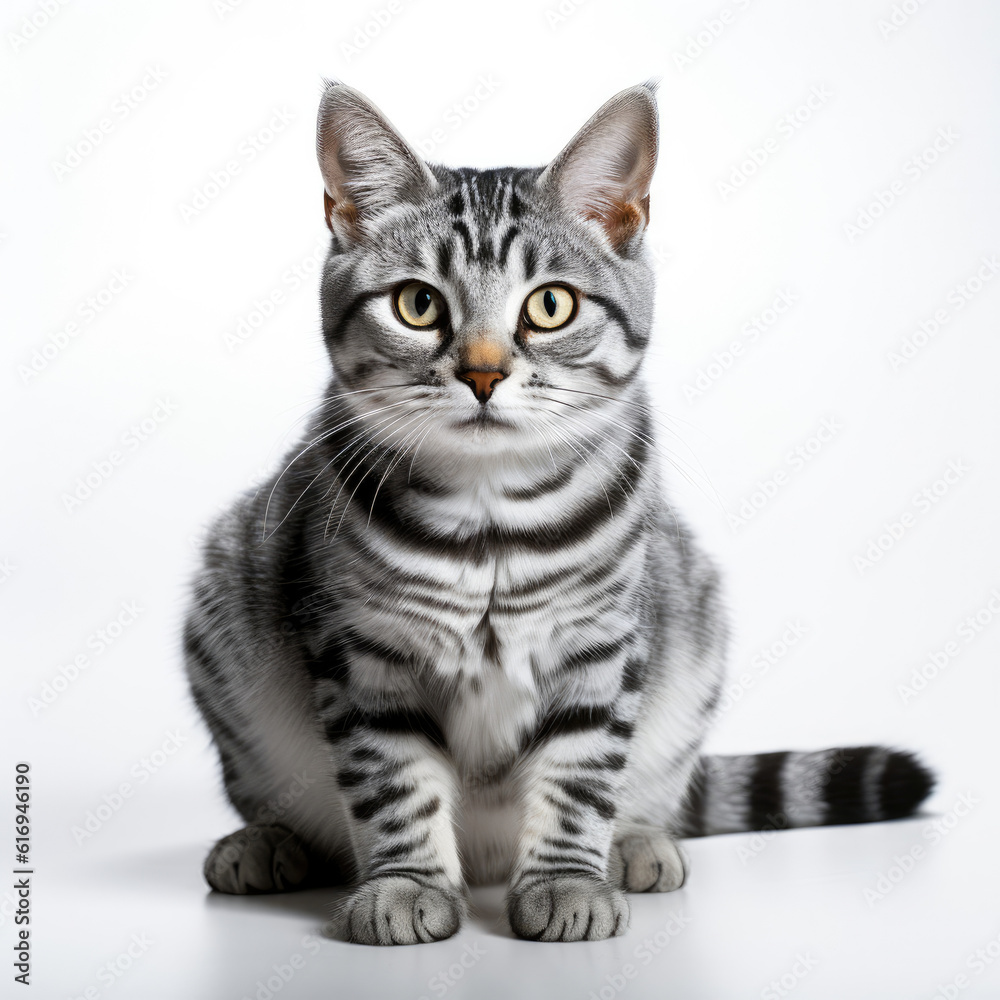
[
  {"x": 650, "y": 862},
  {"x": 396, "y": 909},
  {"x": 567, "y": 908}
]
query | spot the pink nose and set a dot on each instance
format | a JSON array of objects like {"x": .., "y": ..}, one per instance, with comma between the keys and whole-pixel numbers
[{"x": 481, "y": 383}]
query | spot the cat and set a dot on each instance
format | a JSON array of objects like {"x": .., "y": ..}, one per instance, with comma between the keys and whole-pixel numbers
[{"x": 462, "y": 637}]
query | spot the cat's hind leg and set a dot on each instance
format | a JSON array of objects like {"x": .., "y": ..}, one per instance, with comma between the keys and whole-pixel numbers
[
  {"x": 266, "y": 858},
  {"x": 647, "y": 859}
]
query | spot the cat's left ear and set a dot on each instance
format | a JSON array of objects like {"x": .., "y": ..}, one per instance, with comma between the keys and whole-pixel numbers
[
  {"x": 367, "y": 165},
  {"x": 605, "y": 171}
]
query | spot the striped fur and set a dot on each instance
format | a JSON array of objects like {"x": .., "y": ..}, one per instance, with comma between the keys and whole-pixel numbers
[{"x": 460, "y": 639}]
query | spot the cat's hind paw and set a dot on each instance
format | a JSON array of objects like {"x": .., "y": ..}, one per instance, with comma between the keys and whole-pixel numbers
[
  {"x": 650, "y": 862},
  {"x": 256, "y": 859}
]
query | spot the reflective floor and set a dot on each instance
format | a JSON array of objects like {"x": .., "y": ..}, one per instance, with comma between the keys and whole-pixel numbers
[{"x": 896, "y": 910}]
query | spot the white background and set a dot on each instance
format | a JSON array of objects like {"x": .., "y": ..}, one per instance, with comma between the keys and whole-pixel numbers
[{"x": 190, "y": 279}]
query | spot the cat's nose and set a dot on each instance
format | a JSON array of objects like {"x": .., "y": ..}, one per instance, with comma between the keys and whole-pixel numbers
[{"x": 481, "y": 383}]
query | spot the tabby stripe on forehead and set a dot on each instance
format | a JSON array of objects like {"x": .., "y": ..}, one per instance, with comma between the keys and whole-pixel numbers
[
  {"x": 444, "y": 252},
  {"x": 530, "y": 260},
  {"x": 508, "y": 239},
  {"x": 472, "y": 186},
  {"x": 463, "y": 230},
  {"x": 515, "y": 206},
  {"x": 485, "y": 255}
]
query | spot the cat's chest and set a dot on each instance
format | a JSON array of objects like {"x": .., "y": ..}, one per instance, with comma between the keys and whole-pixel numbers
[
  {"x": 483, "y": 617},
  {"x": 484, "y": 721},
  {"x": 501, "y": 596}
]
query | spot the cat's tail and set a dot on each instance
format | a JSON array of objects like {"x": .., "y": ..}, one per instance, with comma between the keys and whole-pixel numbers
[{"x": 776, "y": 791}]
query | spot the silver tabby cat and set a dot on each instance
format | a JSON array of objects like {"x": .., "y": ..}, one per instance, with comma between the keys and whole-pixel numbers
[{"x": 462, "y": 637}]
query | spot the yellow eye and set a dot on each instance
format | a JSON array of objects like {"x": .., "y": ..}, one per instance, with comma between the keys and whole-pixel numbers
[
  {"x": 549, "y": 307},
  {"x": 419, "y": 305}
]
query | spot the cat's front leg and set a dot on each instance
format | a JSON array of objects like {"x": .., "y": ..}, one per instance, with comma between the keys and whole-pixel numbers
[
  {"x": 400, "y": 794},
  {"x": 562, "y": 886}
]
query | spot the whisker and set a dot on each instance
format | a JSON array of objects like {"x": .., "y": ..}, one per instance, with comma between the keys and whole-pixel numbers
[
  {"x": 316, "y": 407},
  {"x": 344, "y": 479},
  {"x": 565, "y": 438},
  {"x": 312, "y": 444},
  {"x": 630, "y": 430},
  {"x": 695, "y": 475},
  {"x": 359, "y": 436},
  {"x": 416, "y": 450},
  {"x": 392, "y": 466}
]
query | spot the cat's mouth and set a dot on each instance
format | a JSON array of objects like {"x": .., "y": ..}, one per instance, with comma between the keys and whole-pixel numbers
[{"x": 485, "y": 417}]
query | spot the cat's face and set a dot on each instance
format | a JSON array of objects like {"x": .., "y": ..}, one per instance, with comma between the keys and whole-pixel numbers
[{"x": 486, "y": 312}]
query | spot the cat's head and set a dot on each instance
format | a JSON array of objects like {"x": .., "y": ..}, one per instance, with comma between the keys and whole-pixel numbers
[{"x": 486, "y": 311}]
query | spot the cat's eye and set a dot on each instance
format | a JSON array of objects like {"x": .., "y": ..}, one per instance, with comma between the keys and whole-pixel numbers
[
  {"x": 550, "y": 307},
  {"x": 419, "y": 305}
]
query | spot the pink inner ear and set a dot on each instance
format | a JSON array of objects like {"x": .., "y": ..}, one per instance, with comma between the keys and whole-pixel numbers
[
  {"x": 345, "y": 211},
  {"x": 622, "y": 221},
  {"x": 367, "y": 165},
  {"x": 605, "y": 171}
]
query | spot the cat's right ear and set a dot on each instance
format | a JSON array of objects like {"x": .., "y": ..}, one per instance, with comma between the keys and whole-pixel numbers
[
  {"x": 604, "y": 174},
  {"x": 367, "y": 165}
]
